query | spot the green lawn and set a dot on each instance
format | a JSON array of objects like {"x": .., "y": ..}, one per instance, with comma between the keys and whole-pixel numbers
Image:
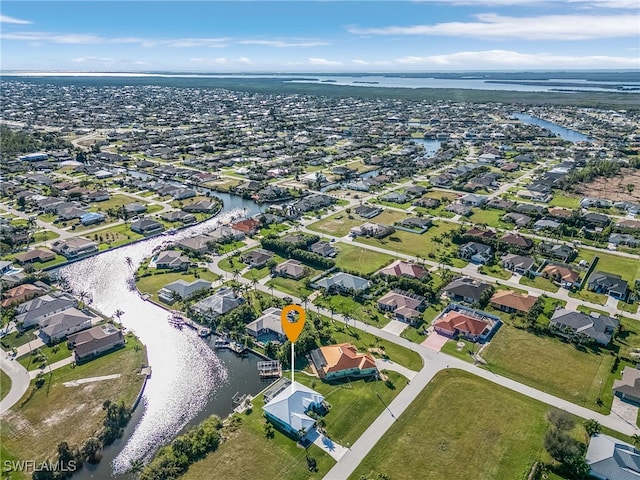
[
  {"x": 16, "y": 339},
  {"x": 430, "y": 244},
  {"x": 359, "y": 259},
  {"x": 588, "y": 296},
  {"x": 290, "y": 286},
  {"x": 367, "y": 312},
  {"x": 152, "y": 283},
  {"x": 463, "y": 353},
  {"x": 443, "y": 434},
  {"x": 495, "y": 271},
  {"x": 60, "y": 353},
  {"x": 490, "y": 217},
  {"x": 560, "y": 200},
  {"x": 44, "y": 235},
  {"x": 627, "y": 268},
  {"x": 114, "y": 236},
  {"x": 627, "y": 307},
  {"x": 56, "y": 413},
  {"x": 337, "y": 225},
  {"x": 628, "y": 339},
  {"x": 550, "y": 365},
  {"x": 115, "y": 201},
  {"x": 539, "y": 282},
  {"x": 5, "y": 384}
]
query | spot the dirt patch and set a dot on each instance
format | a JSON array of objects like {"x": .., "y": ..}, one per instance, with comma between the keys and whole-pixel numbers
[
  {"x": 61, "y": 415},
  {"x": 615, "y": 188}
]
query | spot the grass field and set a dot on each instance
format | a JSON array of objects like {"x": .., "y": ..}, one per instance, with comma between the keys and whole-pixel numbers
[
  {"x": 16, "y": 339},
  {"x": 368, "y": 313},
  {"x": 609, "y": 262},
  {"x": 588, "y": 296},
  {"x": 114, "y": 236},
  {"x": 548, "y": 364},
  {"x": 539, "y": 282},
  {"x": 354, "y": 405},
  {"x": 560, "y": 200},
  {"x": 423, "y": 245},
  {"x": 153, "y": 283},
  {"x": 627, "y": 307},
  {"x": 359, "y": 259},
  {"x": 495, "y": 271},
  {"x": 498, "y": 442},
  {"x": 115, "y": 201},
  {"x": 60, "y": 353},
  {"x": 490, "y": 217},
  {"x": 33, "y": 428},
  {"x": 337, "y": 225},
  {"x": 290, "y": 286},
  {"x": 5, "y": 384}
]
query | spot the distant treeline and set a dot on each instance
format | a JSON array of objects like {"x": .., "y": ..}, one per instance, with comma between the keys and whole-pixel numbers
[
  {"x": 279, "y": 86},
  {"x": 14, "y": 142}
]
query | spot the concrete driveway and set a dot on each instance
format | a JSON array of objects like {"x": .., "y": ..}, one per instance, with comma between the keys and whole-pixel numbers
[
  {"x": 624, "y": 410},
  {"x": 395, "y": 327}
]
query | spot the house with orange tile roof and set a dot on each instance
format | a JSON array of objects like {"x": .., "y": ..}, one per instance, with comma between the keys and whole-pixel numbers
[
  {"x": 249, "y": 227},
  {"x": 342, "y": 360},
  {"x": 458, "y": 321},
  {"x": 565, "y": 276},
  {"x": 21, "y": 293},
  {"x": 511, "y": 302}
]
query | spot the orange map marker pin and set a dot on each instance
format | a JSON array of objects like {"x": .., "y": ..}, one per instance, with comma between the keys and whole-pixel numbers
[{"x": 292, "y": 329}]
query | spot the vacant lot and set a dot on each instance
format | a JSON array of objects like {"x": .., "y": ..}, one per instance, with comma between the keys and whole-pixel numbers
[
  {"x": 33, "y": 428},
  {"x": 616, "y": 188},
  {"x": 463, "y": 442},
  {"x": 5, "y": 384},
  {"x": 337, "y": 225},
  {"x": 627, "y": 268},
  {"x": 359, "y": 259},
  {"x": 550, "y": 365}
]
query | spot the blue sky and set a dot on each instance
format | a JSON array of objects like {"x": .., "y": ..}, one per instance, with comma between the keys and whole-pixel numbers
[{"x": 319, "y": 36}]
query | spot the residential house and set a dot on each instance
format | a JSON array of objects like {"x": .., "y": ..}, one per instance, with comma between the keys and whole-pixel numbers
[
  {"x": 427, "y": 202},
  {"x": 33, "y": 311},
  {"x": 628, "y": 224},
  {"x": 395, "y": 197},
  {"x": 562, "y": 213},
  {"x": 477, "y": 253},
  {"x": 222, "y": 301},
  {"x": 557, "y": 250},
  {"x": 198, "y": 244},
  {"x": 288, "y": 409},
  {"x": 474, "y": 200},
  {"x": 628, "y": 388},
  {"x": 517, "y": 240},
  {"x": 415, "y": 191},
  {"x": 624, "y": 239},
  {"x": 99, "y": 196},
  {"x": 39, "y": 254},
  {"x": 62, "y": 324},
  {"x": 22, "y": 293},
  {"x": 612, "y": 459},
  {"x": 201, "y": 206},
  {"x": 596, "y": 221},
  {"x": 226, "y": 234},
  {"x": 249, "y": 226},
  {"x": 325, "y": 249},
  {"x": 512, "y": 302},
  {"x": 459, "y": 209},
  {"x": 343, "y": 360},
  {"x": 401, "y": 268},
  {"x": 480, "y": 234},
  {"x": 565, "y": 276},
  {"x": 520, "y": 219},
  {"x": 291, "y": 269},
  {"x": 94, "y": 341},
  {"x": 518, "y": 263},
  {"x": 500, "y": 204},
  {"x": 581, "y": 327},
  {"x": 134, "y": 208},
  {"x": 257, "y": 258},
  {"x": 343, "y": 282},
  {"x": 530, "y": 209},
  {"x": 546, "y": 224},
  {"x": 608, "y": 283},
  {"x": 179, "y": 216},
  {"x": 172, "y": 260},
  {"x": 474, "y": 325},
  {"x": 147, "y": 227},
  {"x": 466, "y": 289},
  {"x": 75, "y": 247},
  {"x": 267, "y": 327},
  {"x": 374, "y": 230},
  {"x": 406, "y": 306},
  {"x": 91, "y": 218},
  {"x": 182, "y": 289},
  {"x": 367, "y": 211},
  {"x": 416, "y": 223}
]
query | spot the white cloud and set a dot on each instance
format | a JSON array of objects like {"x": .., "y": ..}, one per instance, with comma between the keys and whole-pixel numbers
[
  {"x": 13, "y": 20},
  {"x": 282, "y": 44},
  {"x": 546, "y": 27},
  {"x": 510, "y": 59},
  {"x": 244, "y": 60},
  {"x": 91, "y": 59},
  {"x": 69, "y": 38},
  {"x": 622, "y": 4},
  {"x": 358, "y": 61},
  {"x": 322, "y": 62}
]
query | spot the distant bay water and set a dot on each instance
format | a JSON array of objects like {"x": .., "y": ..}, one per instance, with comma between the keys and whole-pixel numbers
[{"x": 569, "y": 82}]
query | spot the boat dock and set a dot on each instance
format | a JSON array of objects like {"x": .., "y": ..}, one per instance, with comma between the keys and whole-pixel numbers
[
  {"x": 178, "y": 320},
  {"x": 230, "y": 345},
  {"x": 270, "y": 369}
]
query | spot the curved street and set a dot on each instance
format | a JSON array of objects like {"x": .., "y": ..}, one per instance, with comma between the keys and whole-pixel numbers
[{"x": 20, "y": 380}]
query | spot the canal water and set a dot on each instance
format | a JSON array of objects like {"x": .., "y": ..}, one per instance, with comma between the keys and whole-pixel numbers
[
  {"x": 562, "y": 132},
  {"x": 190, "y": 380}
]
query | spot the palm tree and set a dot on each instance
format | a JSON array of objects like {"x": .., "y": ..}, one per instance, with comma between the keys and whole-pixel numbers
[
  {"x": 129, "y": 262},
  {"x": 117, "y": 314},
  {"x": 592, "y": 427},
  {"x": 83, "y": 296},
  {"x": 636, "y": 440}
]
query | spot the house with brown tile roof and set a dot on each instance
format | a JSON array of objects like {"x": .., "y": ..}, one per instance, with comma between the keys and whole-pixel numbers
[
  {"x": 510, "y": 301},
  {"x": 457, "y": 321},
  {"x": 565, "y": 276},
  {"x": 21, "y": 293},
  {"x": 249, "y": 227},
  {"x": 290, "y": 268},
  {"x": 342, "y": 360},
  {"x": 517, "y": 240},
  {"x": 401, "y": 268},
  {"x": 35, "y": 255},
  {"x": 406, "y": 306}
]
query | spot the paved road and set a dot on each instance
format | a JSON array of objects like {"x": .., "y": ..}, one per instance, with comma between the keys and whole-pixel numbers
[{"x": 19, "y": 381}]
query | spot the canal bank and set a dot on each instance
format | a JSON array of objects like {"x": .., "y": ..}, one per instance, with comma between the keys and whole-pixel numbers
[{"x": 190, "y": 380}]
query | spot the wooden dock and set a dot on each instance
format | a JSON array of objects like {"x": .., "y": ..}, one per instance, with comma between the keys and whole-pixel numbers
[{"x": 270, "y": 369}]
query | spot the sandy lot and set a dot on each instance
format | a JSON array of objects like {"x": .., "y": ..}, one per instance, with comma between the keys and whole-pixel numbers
[{"x": 614, "y": 188}]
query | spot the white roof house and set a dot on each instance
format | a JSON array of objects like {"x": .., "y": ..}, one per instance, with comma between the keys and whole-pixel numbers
[
  {"x": 289, "y": 407},
  {"x": 612, "y": 459},
  {"x": 269, "y": 321}
]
